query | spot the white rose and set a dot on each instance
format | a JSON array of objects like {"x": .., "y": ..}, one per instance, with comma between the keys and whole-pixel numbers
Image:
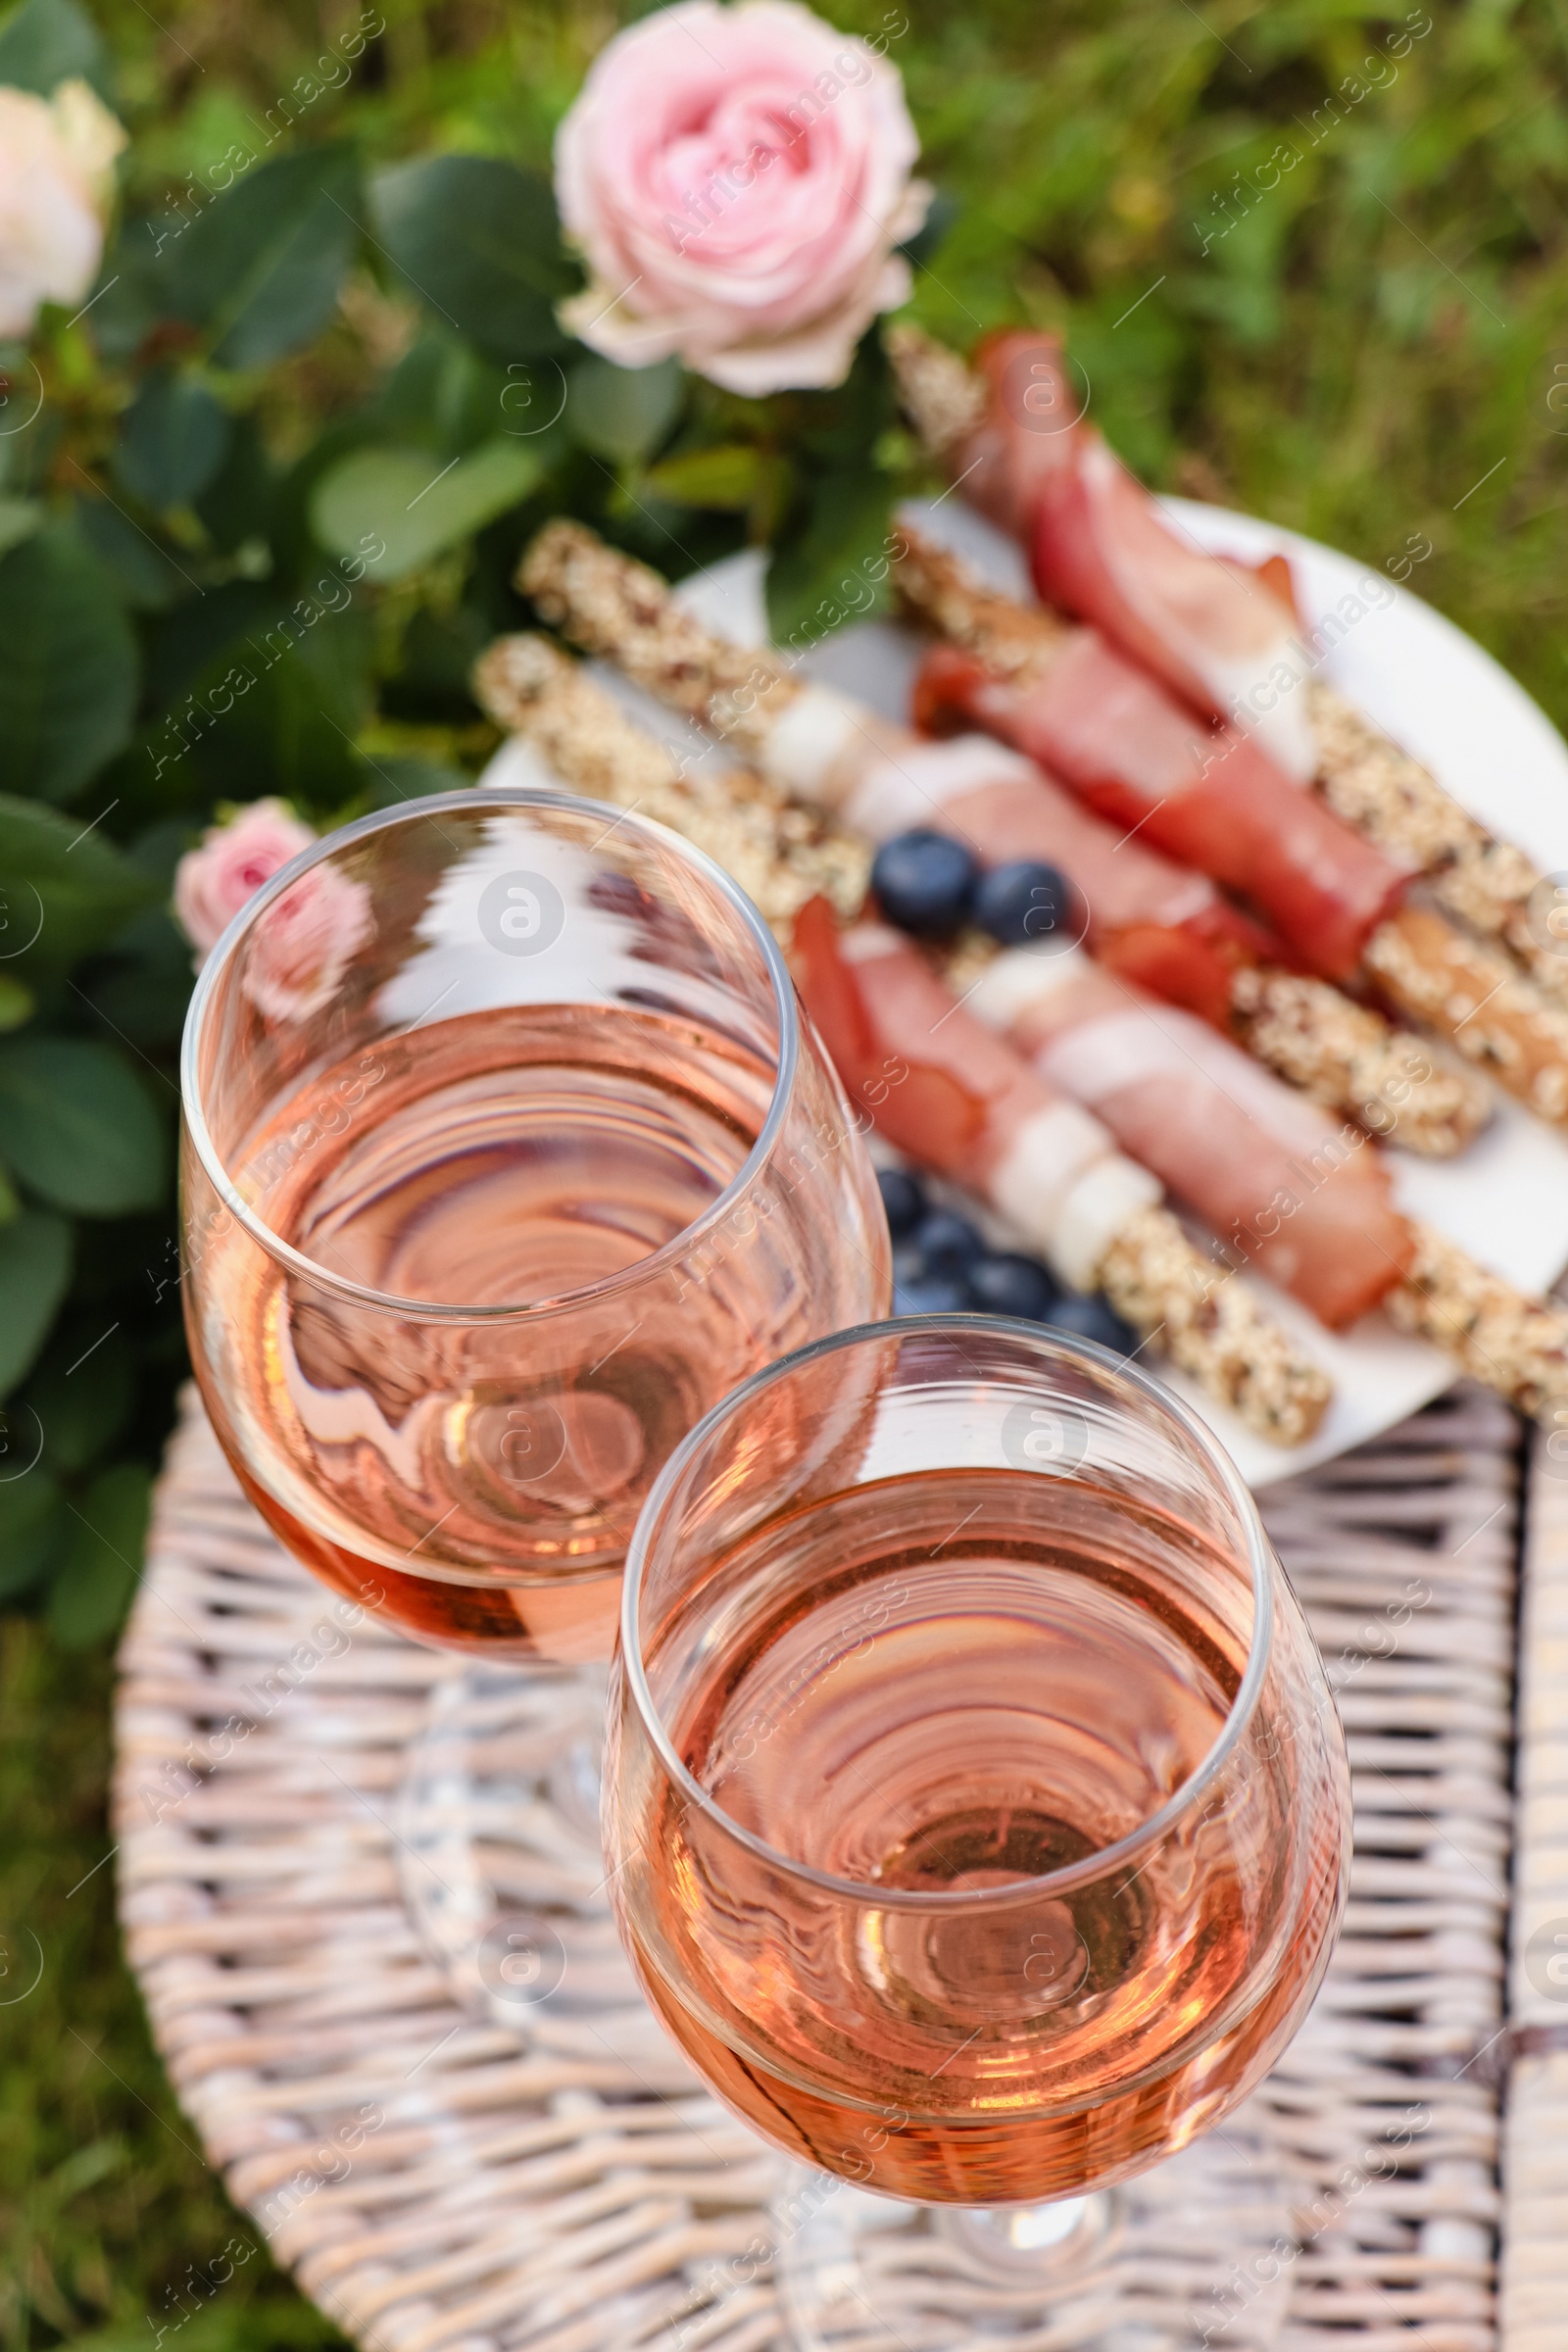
[{"x": 55, "y": 179}]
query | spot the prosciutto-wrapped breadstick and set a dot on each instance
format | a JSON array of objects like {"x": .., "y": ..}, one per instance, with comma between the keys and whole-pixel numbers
[
  {"x": 1099, "y": 545},
  {"x": 1160, "y": 923},
  {"x": 1211, "y": 628},
  {"x": 962, "y": 1110},
  {"x": 944, "y": 1090},
  {"x": 1118, "y": 739}
]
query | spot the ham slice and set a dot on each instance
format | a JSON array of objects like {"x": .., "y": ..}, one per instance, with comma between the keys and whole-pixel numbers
[
  {"x": 957, "y": 1097},
  {"x": 1217, "y": 632},
  {"x": 1063, "y": 1069},
  {"x": 1306, "y": 1200},
  {"x": 1207, "y": 797}
]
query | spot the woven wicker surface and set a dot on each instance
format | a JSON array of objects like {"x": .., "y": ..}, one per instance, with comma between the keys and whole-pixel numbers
[{"x": 435, "y": 2181}]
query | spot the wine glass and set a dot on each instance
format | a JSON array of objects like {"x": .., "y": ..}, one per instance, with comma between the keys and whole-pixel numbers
[
  {"x": 975, "y": 1805},
  {"x": 507, "y": 1154}
]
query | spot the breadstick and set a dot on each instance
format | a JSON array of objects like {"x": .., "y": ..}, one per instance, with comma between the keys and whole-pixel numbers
[
  {"x": 1194, "y": 1310},
  {"x": 1311, "y": 1033}
]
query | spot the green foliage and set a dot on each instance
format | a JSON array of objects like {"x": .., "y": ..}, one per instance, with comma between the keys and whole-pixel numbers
[
  {"x": 261, "y": 268},
  {"x": 68, "y": 681},
  {"x": 34, "y": 1269},
  {"x": 46, "y": 42},
  {"x": 476, "y": 241},
  {"x": 77, "y": 1126},
  {"x": 103, "y": 1556},
  {"x": 172, "y": 439},
  {"x": 390, "y": 495}
]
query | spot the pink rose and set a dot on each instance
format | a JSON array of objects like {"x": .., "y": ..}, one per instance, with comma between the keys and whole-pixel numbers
[
  {"x": 304, "y": 944},
  {"x": 737, "y": 179},
  {"x": 213, "y": 883},
  {"x": 56, "y": 179}
]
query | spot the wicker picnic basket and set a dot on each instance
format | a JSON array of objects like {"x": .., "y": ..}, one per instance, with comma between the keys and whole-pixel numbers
[{"x": 443, "y": 2178}]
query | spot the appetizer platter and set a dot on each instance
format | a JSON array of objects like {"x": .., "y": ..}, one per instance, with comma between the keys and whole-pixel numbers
[{"x": 1268, "y": 1045}]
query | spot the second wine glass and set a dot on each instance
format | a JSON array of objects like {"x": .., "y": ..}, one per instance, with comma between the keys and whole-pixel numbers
[{"x": 975, "y": 1804}]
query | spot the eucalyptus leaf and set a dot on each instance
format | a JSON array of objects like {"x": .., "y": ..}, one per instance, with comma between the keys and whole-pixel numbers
[
  {"x": 478, "y": 241},
  {"x": 95, "y": 1580},
  {"x": 261, "y": 268},
  {"x": 46, "y": 42},
  {"x": 35, "y": 1273},
  {"x": 75, "y": 1125},
  {"x": 416, "y": 507},
  {"x": 172, "y": 439},
  {"x": 725, "y": 478},
  {"x": 68, "y": 684},
  {"x": 623, "y": 413},
  {"x": 61, "y": 890}
]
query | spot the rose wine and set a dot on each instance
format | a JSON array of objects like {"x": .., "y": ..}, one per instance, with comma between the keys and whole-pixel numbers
[
  {"x": 955, "y": 1683},
  {"x": 477, "y": 1479}
]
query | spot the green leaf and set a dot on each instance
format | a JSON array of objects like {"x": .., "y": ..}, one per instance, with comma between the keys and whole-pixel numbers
[
  {"x": 623, "y": 413},
  {"x": 149, "y": 580},
  {"x": 834, "y": 568},
  {"x": 84, "y": 1393},
  {"x": 34, "y": 1272},
  {"x": 68, "y": 683},
  {"x": 260, "y": 270},
  {"x": 725, "y": 478},
  {"x": 478, "y": 241},
  {"x": 16, "y": 1003},
  {"x": 20, "y": 518},
  {"x": 61, "y": 890},
  {"x": 46, "y": 42},
  {"x": 32, "y": 1517},
  {"x": 172, "y": 439},
  {"x": 75, "y": 1125},
  {"x": 405, "y": 499},
  {"x": 99, "y": 1571}
]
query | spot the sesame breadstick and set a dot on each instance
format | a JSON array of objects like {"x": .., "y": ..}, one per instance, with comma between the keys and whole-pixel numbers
[
  {"x": 1470, "y": 992},
  {"x": 1347, "y": 1057},
  {"x": 1204, "y": 1320},
  {"x": 1365, "y": 778},
  {"x": 1396, "y": 801},
  {"x": 1515, "y": 1345}
]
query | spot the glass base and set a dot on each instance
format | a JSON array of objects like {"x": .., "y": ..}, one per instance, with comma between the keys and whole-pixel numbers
[
  {"x": 1196, "y": 2252},
  {"x": 503, "y": 1872}
]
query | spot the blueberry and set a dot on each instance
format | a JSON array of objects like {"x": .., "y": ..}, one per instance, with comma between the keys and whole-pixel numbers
[
  {"x": 949, "y": 1245},
  {"x": 1004, "y": 1283},
  {"x": 930, "y": 1295},
  {"x": 1022, "y": 901},
  {"x": 1093, "y": 1319},
  {"x": 925, "y": 882},
  {"x": 903, "y": 1198}
]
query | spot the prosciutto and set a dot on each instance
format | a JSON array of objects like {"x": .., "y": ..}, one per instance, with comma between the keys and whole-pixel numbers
[
  {"x": 1305, "y": 1199},
  {"x": 1217, "y": 632},
  {"x": 957, "y": 1097},
  {"x": 1208, "y": 797}
]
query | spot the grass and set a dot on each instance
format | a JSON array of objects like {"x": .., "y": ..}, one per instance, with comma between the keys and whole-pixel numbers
[{"x": 1366, "y": 343}]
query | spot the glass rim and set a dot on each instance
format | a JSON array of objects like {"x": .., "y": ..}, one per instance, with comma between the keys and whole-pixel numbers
[
  {"x": 1260, "y": 1559},
  {"x": 491, "y": 800}
]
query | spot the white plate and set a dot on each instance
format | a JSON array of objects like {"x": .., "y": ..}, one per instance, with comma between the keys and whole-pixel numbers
[{"x": 1434, "y": 690}]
